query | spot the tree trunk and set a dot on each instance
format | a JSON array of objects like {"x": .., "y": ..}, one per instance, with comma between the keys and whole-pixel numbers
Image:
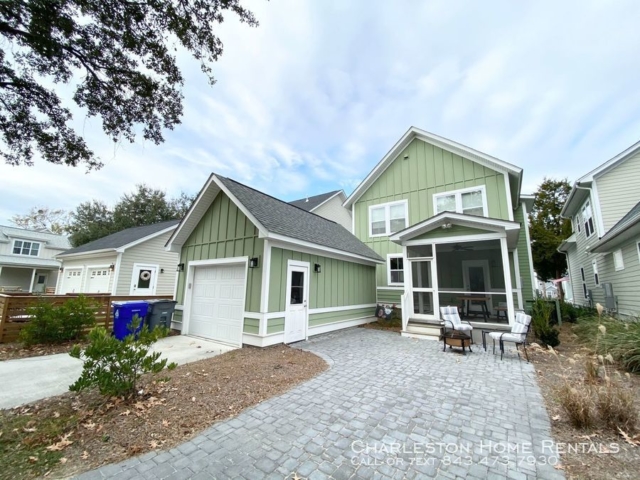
[{"x": 559, "y": 288}]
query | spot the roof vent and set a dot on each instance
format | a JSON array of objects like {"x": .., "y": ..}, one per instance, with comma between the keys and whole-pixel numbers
[{"x": 306, "y": 200}]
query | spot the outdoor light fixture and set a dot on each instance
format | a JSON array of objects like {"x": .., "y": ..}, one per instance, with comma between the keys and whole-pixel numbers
[
  {"x": 61, "y": 269},
  {"x": 446, "y": 226},
  {"x": 317, "y": 268},
  {"x": 162, "y": 270},
  {"x": 112, "y": 267},
  {"x": 253, "y": 262},
  {"x": 180, "y": 267}
]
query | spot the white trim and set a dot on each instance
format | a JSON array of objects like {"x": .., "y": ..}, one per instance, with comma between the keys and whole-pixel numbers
[
  {"x": 116, "y": 276},
  {"x": 266, "y": 282},
  {"x": 190, "y": 275},
  {"x": 611, "y": 163},
  {"x": 441, "y": 142},
  {"x": 458, "y": 197},
  {"x": 516, "y": 268},
  {"x": 144, "y": 239},
  {"x": 391, "y": 288},
  {"x": 33, "y": 277},
  {"x": 507, "y": 190},
  {"x": 456, "y": 239},
  {"x": 618, "y": 266},
  {"x": 291, "y": 265},
  {"x": 315, "y": 311},
  {"x": 597, "y": 210},
  {"x": 328, "y": 199},
  {"x": 529, "y": 254},
  {"x": 638, "y": 249},
  {"x": 100, "y": 266},
  {"x": 596, "y": 275},
  {"x": 134, "y": 277},
  {"x": 341, "y": 324},
  {"x": 353, "y": 219},
  {"x": 507, "y": 280},
  {"x": 13, "y": 245},
  {"x": 387, "y": 217},
  {"x": 243, "y": 209},
  {"x": 434, "y": 280},
  {"x": 287, "y": 243},
  {"x": 389, "y": 257},
  {"x": 585, "y": 223},
  {"x": 258, "y": 341}
]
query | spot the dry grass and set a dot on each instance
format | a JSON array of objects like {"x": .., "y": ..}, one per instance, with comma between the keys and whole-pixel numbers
[
  {"x": 66, "y": 435},
  {"x": 577, "y": 404},
  {"x": 616, "y": 407}
]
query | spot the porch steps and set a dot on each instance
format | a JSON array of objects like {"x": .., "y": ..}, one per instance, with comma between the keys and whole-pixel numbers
[{"x": 425, "y": 329}]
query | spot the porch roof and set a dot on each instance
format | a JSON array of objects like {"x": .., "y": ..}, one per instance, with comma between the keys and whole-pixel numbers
[{"x": 445, "y": 220}]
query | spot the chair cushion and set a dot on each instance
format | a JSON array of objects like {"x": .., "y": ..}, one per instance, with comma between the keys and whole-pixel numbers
[
  {"x": 507, "y": 337},
  {"x": 463, "y": 327},
  {"x": 450, "y": 315}
]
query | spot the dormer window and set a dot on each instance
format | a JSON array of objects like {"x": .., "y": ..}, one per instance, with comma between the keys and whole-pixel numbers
[{"x": 22, "y": 247}]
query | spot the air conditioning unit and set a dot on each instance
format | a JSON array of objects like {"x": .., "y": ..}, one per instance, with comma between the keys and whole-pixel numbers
[{"x": 609, "y": 297}]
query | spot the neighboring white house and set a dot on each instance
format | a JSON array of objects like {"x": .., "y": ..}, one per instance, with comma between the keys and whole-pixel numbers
[
  {"x": 327, "y": 205},
  {"x": 27, "y": 260},
  {"x": 603, "y": 253},
  {"x": 131, "y": 262}
]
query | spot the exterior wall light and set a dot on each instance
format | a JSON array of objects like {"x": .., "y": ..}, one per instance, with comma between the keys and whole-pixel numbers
[
  {"x": 317, "y": 268},
  {"x": 253, "y": 262},
  {"x": 180, "y": 267},
  {"x": 112, "y": 267}
]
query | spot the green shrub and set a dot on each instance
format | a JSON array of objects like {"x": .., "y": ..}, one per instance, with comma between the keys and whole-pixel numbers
[
  {"x": 569, "y": 312},
  {"x": 114, "y": 366},
  {"x": 51, "y": 324},
  {"x": 550, "y": 338},
  {"x": 541, "y": 323}
]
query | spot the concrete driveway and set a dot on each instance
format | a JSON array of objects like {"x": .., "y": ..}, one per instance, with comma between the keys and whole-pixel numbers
[
  {"x": 389, "y": 407},
  {"x": 26, "y": 380}
]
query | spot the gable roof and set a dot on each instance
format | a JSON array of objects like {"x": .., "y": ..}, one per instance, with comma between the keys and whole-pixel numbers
[
  {"x": 274, "y": 219},
  {"x": 579, "y": 194},
  {"x": 514, "y": 172},
  {"x": 627, "y": 227},
  {"x": 311, "y": 203},
  {"x": 51, "y": 240},
  {"x": 123, "y": 238}
]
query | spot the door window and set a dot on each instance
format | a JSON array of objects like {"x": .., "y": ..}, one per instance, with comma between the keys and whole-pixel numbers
[
  {"x": 297, "y": 288},
  {"x": 476, "y": 279},
  {"x": 144, "y": 278}
]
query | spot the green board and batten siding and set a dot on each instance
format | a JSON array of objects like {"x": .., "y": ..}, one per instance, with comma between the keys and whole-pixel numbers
[
  {"x": 225, "y": 232},
  {"x": 428, "y": 170}
]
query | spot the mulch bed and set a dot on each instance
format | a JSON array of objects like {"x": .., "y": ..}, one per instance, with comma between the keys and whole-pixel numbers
[
  {"x": 12, "y": 351},
  {"x": 388, "y": 325},
  {"x": 66, "y": 435},
  {"x": 569, "y": 364}
]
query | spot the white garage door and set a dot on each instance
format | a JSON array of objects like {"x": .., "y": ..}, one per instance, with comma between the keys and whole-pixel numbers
[
  {"x": 217, "y": 303},
  {"x": 98, "y": 281},
  {"x": 72, "y": 281}
]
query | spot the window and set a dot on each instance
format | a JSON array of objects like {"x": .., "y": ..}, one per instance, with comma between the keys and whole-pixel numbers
[
  {"x": 638, "y": 245},
  {"x": 582, "y": 273},
  {"x": 22, "y": 247},
  {"x": 587, "y": 219},
  {"x": 578, "y": 223},
  {"x": 584, "y": 290},
  {"x": 618, "y": 262},
  {"x": 395, "y": 269},
  {"x": 596, "y": 278},
  {"x": 388, "y": 218},
  {"x": 470, "y": 201}
]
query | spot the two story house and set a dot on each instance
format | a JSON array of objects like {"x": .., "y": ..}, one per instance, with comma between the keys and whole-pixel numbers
[
  {"x": 603, "y": 252},
  {"x": 435, "y": 223},
  {"x": 27, "y": 259}
]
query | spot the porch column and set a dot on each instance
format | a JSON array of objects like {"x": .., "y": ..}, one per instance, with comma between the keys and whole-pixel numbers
[
  {"x": 33, "y": 277},
  {"x": 507, "y": 279}
]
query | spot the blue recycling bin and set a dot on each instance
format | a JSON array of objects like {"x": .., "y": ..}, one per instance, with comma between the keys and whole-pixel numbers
[{"x": 123, "y": 313}]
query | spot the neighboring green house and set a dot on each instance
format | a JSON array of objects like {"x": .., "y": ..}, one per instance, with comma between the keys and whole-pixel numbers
[
  {"x": 452, "y": 226},
  {"x": 603, "y": 253},
  {"x": 436, "y": 223},
  {"x": 259, "y": 271}
]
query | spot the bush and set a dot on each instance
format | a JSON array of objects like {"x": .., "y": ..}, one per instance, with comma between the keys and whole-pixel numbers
[
  {"x": 549, "y": 337},
  {"x": 540, "y": 322},
  {"x": 569, "y": 312},
  {"x": 577, "y": 404},
  {"x": 52, "y": 324},
  {"x": 115, "y": 366},
  {"x": 616, "y": 408}
]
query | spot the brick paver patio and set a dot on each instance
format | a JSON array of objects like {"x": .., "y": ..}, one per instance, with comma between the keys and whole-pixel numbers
[{"x": 389, "y": 407}]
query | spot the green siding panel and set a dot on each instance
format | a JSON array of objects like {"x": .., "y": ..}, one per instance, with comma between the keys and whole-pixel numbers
[
  {"x": 251, "y": 325},
  {"x": 340, "y": 284},
  {"x": 389, "y": 296},
  {"x": 275, "y": 325},
  {"x": 224, "y": 232},
  {"x": 332, "y": 317},
  {"x": 526, "y": 268}
]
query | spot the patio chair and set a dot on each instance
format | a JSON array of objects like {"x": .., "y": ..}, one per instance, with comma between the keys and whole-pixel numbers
[
  {"x": 451, "y": 319},
  {"x": 517, "y": 335}
]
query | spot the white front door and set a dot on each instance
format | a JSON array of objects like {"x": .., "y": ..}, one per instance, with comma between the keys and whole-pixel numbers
[
  {"x": 41, "y": 282},
  {"x": 144, "y": 279},
  {"x": 297, "y": 293}
]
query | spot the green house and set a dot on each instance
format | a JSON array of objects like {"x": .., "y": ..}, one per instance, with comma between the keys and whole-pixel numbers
[{"x": 434, "y": 224}]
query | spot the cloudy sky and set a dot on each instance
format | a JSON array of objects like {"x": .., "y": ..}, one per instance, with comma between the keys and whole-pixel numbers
[{"x": 312, "y": 99}]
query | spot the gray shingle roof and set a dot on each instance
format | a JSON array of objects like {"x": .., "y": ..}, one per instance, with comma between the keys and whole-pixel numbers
[
  {"x": 284, "y": 219},
  {"x": 309, "y": 203},
  {"x": 631, "y": 218},
  {"x": 51, "y": 240},
  {"x": 122, "y": 238}
]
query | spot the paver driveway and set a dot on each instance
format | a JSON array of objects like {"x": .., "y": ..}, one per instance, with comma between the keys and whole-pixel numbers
[{"x": 389, "y": 407}]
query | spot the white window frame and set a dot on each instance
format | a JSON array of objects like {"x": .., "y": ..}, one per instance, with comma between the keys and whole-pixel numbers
[
  {"x": 389, "y": 257},
  {"x": 638, "y": 249},
  {"x": 582, "y": 274},
  {"x": 387, "y": 217},
  {"x": 617, "y": 255},
  {"x": 596, "y": 277},
  {"x": 458, "y": 195},
  {"x": 13, "y": 246},
  {"x": 589, "y": 229},
  {"x": 578, "y": 223}
]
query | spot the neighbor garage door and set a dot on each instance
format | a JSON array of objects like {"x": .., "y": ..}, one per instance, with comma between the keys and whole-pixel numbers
[
  {"x": 217, "y": 303},
  {"x": 98, "y": 281},
  {"x": 72, "y": 281}
]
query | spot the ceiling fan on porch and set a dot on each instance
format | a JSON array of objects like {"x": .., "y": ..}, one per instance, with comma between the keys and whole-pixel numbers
[{"x": 461, "y": 248}]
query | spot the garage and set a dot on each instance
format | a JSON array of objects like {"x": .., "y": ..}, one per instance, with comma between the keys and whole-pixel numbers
[
  {"x": 217, "y": 303},
  {"x": 98, "y": 280},
  {"x": 72, "y": 281}
]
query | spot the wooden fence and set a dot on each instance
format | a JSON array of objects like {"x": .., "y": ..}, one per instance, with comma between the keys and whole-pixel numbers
[{"x": 13, "y": 309}]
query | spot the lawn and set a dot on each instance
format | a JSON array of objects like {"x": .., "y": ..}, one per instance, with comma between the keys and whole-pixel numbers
[{"x": 66, "y": 435}]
